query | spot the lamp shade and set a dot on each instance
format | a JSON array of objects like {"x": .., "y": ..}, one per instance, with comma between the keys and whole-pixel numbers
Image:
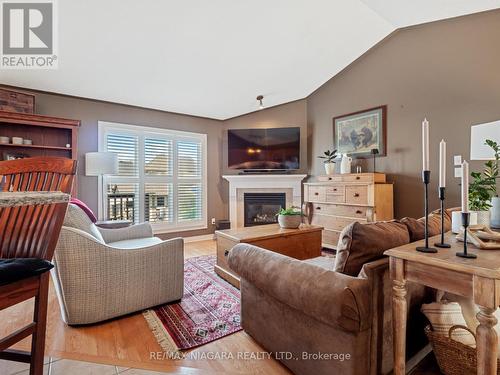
[
  {"x": 101, "y": 163},
  {"x": 478, "y": 135}
]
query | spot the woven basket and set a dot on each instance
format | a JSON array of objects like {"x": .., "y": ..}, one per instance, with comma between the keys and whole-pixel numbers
[{"x": 453, "y": 357}]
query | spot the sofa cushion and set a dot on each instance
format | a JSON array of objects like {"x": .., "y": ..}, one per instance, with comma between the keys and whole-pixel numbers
[
  {"x": 77, "y": 218},
  {"x": 362, "y": 243},
  {"x": 135, "y": 243},
  {"x": 328, "y": 263},
  {"x": 15, "y": 269},
  {"x": 416, "y": 227}
]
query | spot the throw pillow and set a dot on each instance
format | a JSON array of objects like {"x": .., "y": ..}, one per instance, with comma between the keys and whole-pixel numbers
[
  {"x": 444, "y": 315},
  {"x": 85, "y": 208},
  {"x": 362, "y": 243},
  {"x": 416, "y": 227}
]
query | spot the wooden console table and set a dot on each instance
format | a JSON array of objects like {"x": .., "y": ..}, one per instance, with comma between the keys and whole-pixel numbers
[{"x": 475, "y": 278}]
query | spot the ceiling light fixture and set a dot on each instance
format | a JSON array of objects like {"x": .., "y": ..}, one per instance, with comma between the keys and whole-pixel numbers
[{"x": 260, "y": 98}]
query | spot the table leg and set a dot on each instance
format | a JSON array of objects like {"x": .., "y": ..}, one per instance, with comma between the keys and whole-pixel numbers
[
  {"x": 487, "y": 342},
  {"x": 399, "y": 314}
]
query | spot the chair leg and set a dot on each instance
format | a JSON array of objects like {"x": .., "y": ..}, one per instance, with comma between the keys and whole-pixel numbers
[{"x": 40, "y": 318}]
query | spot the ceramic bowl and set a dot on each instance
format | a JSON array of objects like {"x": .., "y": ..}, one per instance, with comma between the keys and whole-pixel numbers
[
  {"x": 4, "y": 140},
  {"x": 17, "y": 141}
]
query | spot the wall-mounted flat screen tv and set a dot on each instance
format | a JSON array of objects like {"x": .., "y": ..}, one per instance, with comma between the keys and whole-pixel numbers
[{"x": 264, "y": 149}]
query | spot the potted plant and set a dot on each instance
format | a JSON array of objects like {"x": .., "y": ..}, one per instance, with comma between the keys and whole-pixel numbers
[
  {"x": 290, "y": 218},
  {"x": 493, "y": 172},
  {"x": 329, "y": 157},
  {"x": 483, "y": 190}
]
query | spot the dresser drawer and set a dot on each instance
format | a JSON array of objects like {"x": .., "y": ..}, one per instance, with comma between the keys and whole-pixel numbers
[
  {"x": 340, "y": 210},
  {"x": 330, "y": 238},
  {"x": 317, "y": 194},
  {"x": 335, "y": 197},
  {"x": 337, "y": 178},
  {"x": 356, "y": 194},
  {"x": 333, "y": 222},
  {"x": 335, "y": 189},
  {"x": 365, "y": 178}
]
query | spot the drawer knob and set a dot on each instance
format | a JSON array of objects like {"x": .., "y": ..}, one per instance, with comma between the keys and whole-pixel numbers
[
  {"x": 359, "y": 212},
  {"x": 356, "y": 195},
  {"x": 357, "y": 177},
  {"x": 329, "y": 178},
  {"x": 318, "y": 208},
  {"x": 316, "y": 193},
  {"x": 226, "y": 253}
]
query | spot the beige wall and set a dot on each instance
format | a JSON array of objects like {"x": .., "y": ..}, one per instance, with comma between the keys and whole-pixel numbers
[
  {"x": 287, "y": 115},
  {"x": 448, "y": 71},
  {"x": 90, "y": 112}
]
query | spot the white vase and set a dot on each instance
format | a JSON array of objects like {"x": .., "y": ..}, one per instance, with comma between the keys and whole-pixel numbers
[
  {"x": 483, "y": 218},
  {"x": 456, "y": 220},
  {"x": 495, "y": 212},
  {"x": 345, "y": 164},
  {"x": 330, "y": 168}
]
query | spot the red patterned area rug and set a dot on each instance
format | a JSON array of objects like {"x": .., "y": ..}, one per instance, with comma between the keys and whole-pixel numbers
[{"x": 209, "y": 310}]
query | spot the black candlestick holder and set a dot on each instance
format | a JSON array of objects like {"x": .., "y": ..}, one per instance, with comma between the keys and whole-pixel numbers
[
  {"x": 426, "y": 178},
  {"x": 465, "y": 223},
  {"x": 442, "y": 244}
]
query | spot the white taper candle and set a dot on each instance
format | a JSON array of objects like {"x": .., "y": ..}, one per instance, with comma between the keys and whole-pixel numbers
[
  {"x": 442, "y": 163},
  {"x": 465, "y": 186},
  {"x": 425, "y": 145}
]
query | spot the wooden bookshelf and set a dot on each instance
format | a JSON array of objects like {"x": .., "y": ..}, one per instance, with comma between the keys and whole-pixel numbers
[{"x": 49, "y": 135}]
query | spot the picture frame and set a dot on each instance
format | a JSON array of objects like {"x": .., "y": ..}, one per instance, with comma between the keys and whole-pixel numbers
[{"x": 357, "y": 133}]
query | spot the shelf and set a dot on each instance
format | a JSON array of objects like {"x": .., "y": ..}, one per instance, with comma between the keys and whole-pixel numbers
[{"x": 36, "y": 146}]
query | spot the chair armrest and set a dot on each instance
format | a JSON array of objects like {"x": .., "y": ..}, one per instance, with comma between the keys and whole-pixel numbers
[
  {"x": 142, "y": 230},
  {"x": 330, "y": 297}
]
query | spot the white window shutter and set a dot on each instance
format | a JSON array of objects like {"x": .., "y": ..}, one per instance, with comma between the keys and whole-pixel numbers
[
  {"x": 189, "y": 159},
  {"x": 158, "y": 155},
  {"x": 190, "y": 202},
  {"x": 127, "y": 148}
]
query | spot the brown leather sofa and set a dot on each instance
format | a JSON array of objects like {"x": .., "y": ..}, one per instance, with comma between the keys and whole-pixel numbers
[{"x": 331, "y": 315}]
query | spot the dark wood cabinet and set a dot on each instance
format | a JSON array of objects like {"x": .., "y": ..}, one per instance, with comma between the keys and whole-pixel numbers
[{"x": 50, "y": 136}]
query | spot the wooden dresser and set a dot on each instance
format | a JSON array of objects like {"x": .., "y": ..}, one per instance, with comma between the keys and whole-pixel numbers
[{"x": 338, "y": 200}]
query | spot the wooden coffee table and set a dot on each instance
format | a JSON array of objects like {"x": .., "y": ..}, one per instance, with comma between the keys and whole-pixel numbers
[{"x": 301, "y": 243}]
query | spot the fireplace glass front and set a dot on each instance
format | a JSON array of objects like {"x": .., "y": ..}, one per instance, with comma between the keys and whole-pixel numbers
[{"x": 261, "y": 208}]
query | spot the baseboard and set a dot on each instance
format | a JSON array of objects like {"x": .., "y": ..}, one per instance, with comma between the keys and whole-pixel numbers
[{"x": 205, "y": 237}]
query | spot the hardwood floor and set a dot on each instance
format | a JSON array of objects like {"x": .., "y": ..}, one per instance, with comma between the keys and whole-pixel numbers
[{"x": 128, "y": 341}]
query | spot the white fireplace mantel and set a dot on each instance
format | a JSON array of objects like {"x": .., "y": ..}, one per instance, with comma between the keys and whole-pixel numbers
[{"x": 266, "y": 183}]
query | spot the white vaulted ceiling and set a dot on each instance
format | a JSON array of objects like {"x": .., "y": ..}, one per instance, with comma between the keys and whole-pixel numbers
[{"x": 212, "y": 58}]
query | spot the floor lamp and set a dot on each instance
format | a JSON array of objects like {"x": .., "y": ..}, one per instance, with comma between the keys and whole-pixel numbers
[{"x": 100, "y": 164}]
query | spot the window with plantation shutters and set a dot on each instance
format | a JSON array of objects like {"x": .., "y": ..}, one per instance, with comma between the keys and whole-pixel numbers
[{"x": 161, "y": 176}]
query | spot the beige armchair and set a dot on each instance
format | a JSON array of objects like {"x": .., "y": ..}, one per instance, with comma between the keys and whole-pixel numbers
[{"x": 100, "y": 274}]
